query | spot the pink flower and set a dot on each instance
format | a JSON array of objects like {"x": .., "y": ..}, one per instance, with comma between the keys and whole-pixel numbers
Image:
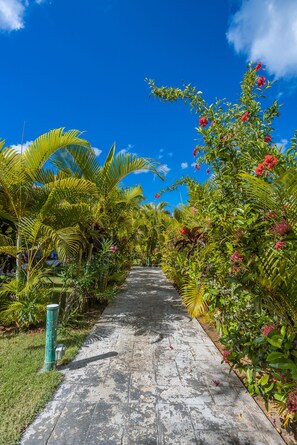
[
  {"x": 226, "y": 354},
  {"x": 261, "y": 81},
  {"x": 292, "y": 401},
  {"x": 258, "y": 66},
  {"x": 114, "y": 249},
  {"x": 236, "y": 257},
  {"x": 157, "y": 195},
  {"x": 203, "y": 122},
  {"x": 268, "y": 138},
  {"x": 213, "y": 123},
  {"x": 197, "y": 167},
  {"x": 236, "y": 269},
  {"x": 280, "y": 245},
  {"x": 267, "y": 329},
  {"x": 156, "y": 250},
  {"x": 281, "y": 228},
  {"x": 245, "y": 116},
  {"x": 271, "y": 214}
]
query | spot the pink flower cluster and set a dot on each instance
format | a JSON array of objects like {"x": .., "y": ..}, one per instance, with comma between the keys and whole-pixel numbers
[
  {"x": 267, "y": 329},
  {"x": 236, "y": 257},
  {"x": 114, "y": 249},
  {"x": 292, "y": 402},
  {"x": 226, "y": 354},
  {"x": 280, "y": 245},
  {"x": 281, "y": 228}
]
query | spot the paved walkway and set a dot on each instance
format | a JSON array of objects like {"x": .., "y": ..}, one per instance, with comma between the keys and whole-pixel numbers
[{"x": 149, "y": 375}]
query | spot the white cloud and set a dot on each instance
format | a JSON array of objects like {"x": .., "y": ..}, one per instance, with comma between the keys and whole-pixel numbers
[
  {"x": 137, "y": 172},
  {"x": 122, "y": 152},
  {"x": 12, "y": 13},
  {"x": 97, "y": 151},
  {"x": 184, "y": 165},
  {"x": 21, "y": 147},
  {"x": 164, "y": 169},
  {"x": 266, "y": 31},
  {"x": 283, "y": 145},
  {"x": 170, "y": 154}
]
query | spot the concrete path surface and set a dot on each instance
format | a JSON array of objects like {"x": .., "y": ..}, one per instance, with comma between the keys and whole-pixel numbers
[{"x": 149, "y": 375}]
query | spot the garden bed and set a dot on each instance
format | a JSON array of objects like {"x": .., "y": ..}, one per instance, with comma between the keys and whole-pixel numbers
[{"x": 290, "y": 435}]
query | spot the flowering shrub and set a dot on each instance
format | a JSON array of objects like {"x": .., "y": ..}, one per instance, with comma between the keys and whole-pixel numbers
[{"x": 242, "y": 267}]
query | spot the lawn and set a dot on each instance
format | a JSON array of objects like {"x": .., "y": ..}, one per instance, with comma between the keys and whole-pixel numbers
[{"x": 23, "y": 389}]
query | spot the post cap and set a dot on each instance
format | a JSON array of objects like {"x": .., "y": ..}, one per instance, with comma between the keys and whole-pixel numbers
[{"x": 52, "y": 307}]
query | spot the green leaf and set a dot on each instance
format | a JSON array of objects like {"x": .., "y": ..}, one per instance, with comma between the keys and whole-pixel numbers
[
  {"x": 264, "y": 380},
  {"x": 275, "y": 340}
]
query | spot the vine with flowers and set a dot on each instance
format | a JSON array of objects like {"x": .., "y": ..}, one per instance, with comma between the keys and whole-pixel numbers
[{"x": 232, "y": 250}]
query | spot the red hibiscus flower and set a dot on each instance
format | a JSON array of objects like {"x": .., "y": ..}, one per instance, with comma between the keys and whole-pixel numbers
[
  {"x": 245, "y": 117},
  {"x": 261, "y": 81},
  {"x": 183, "y": 231},
  {"x": 258, "y": 66},
  {"x": 157, "y": 195},
  {"x": 268, "y": 138},
  {"x": 260, "y": 169},
  {"x": 197, "y": 167},
  {"x": 270, "y": 161},
  {"x": 203, "y": 122}
]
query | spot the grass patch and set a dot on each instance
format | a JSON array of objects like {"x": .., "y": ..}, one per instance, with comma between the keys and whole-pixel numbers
[{"x": 23, "y": 389}]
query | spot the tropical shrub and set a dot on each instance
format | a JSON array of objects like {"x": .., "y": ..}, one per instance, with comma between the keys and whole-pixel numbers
[{"x": 231, "y": 251}]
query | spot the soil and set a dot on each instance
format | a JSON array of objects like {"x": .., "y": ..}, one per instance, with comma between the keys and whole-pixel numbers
[{"x": 290, "y": 434}]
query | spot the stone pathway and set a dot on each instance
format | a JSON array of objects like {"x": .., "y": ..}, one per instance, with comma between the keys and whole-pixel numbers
[{"x": 149, "y": 375}]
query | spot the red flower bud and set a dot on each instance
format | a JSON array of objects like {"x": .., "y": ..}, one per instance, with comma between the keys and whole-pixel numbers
[
  {"x": 183, "y": 231},
  {"x": 245, "y": 116},
  {"x": 197, "y": 167},
  {"x": 268, "y": 138},
  {"x": 157, "y": 195},
  {"x": 258, "y": 66}
]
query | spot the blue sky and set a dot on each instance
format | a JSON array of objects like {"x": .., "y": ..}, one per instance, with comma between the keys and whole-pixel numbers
[{"x": 75, "y": 64}]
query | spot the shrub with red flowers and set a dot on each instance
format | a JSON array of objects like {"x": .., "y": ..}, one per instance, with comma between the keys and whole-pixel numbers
[
  {"x": 226, "y": 355},
  {"x": 248, "y": 282}
]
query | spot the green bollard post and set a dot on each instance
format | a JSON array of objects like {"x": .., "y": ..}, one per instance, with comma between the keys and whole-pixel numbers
[{"x": 51, "y": 336}]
